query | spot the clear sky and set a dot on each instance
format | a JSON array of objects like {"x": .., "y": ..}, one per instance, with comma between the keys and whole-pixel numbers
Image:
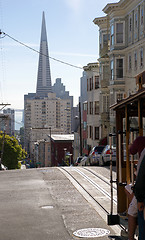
[{"x": 72, "y": 37}]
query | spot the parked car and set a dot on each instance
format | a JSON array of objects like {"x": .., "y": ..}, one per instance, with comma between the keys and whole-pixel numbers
[
  {"x": 84, "y": 161},
  {"x": 3, "y": 167},
  {"x": 93, "y": 158},
  {"x": 78, "y": 160},
  {"x": 105, "y": 155}
]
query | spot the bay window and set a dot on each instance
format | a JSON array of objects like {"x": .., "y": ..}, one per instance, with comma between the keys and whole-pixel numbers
[
  {"x": 119, "y": 32},
  {"x": 112, "y": 70},
  {"x": 119, "y": 68},
  {"x": 141, "y": 57},
  {"x": 112, "y": 34}
]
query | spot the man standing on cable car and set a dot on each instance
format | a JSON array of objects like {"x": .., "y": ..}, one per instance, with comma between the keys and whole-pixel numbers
[
  {"x": 138, "y": 146},
  {"x": 139, "y": 191}
]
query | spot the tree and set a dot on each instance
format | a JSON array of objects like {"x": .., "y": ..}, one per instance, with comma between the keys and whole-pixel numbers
[{"x": 12, "y": 152}]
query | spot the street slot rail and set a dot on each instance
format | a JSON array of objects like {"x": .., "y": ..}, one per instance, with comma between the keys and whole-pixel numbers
[{"x": 97, "y": 187}]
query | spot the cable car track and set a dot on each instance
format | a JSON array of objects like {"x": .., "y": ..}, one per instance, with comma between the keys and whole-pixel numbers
[
  {"x": 67, "y": 172},
  {"x": 97, "y": 185},
  {"x": 64, "y": 169},
  {"x": 101, "y": 178},
  {"x": 105, "y": 194}
]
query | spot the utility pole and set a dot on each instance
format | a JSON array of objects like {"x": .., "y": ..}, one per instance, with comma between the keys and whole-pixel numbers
[
  {"x": 4, "y": 105},
  {"x": 50, "y": 146},
  {"x": 80, "y": 128}
]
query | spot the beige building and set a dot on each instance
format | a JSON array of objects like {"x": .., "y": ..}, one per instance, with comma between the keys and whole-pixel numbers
[
  {"x": 122, "y": 52},
  {"x": 93, "y": 105},
  {"x": 45, "y": 113}
]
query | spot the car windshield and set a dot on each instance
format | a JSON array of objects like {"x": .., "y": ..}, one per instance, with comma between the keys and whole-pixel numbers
[{"x": 99, "y": 149}]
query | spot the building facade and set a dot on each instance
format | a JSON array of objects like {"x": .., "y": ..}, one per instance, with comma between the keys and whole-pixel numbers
[
  {"x": 57, "y": 150},
  {"x": 9, "y": 122},
  {"x": 93, "y": 106},
  {"x": 122, "y": 53},
  {"x": 50, "y": 112},
  {"x": 61, "y": 93}
]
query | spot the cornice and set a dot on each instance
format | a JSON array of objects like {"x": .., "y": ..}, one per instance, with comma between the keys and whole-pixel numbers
[
  {"x": 90, "y": 66},
  {"x": 100, "y": 20},
  {"x": 122, "y": 5}
]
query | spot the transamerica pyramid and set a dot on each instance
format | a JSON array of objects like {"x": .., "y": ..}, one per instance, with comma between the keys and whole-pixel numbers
[{"x": 44, "y": 76}]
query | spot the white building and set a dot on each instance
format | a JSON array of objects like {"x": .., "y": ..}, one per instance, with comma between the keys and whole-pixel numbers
[
  {"x": 93, "y": 106},
  {"x": 122, "y": 50},
  {"x": 50, "y": 112}
]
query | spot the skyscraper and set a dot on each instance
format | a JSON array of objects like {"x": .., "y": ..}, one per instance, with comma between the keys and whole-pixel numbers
[
  {"x": 44, "y": 110},
  {"x": 44, "y": 76}
]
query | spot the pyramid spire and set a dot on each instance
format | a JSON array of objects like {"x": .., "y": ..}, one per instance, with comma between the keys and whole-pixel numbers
[{"x": 44, "y": 76}]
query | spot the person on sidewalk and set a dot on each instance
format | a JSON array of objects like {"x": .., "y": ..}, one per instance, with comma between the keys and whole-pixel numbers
[{"x": 138, "y": 146}]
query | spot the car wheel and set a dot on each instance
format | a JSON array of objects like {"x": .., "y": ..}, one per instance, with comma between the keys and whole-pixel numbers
[{"x": 101, "y": 161}]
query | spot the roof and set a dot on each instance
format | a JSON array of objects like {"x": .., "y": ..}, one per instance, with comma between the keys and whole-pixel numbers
[
  {"x": 62, "y": 137},
  {"x": 131, "y": 98}
]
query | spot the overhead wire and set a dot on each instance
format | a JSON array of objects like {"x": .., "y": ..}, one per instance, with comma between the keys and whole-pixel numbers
[
  {"x": 25, "y": 45},
  {"x": 71, "y": 65}
]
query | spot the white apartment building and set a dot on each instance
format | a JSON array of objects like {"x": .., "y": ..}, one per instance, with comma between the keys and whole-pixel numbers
[
  {"x": 93, "y": 105},
  {"x": 46, "y": 113},
  {"x": 122, "y": 52}
]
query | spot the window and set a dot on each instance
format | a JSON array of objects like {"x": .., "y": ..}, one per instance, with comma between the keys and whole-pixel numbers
[
  {"x": 136, "y": 20},
  {"x": 119, "y": 68},
  {"x": 129, "y": 62},
  {"x": 90, "y": 84},
  {"x": 130, "y": 24},
  {"x": 90, "y": 132},
  {"x": 130, "y": 29},
  {"x": 119, "y": 32},
  {"x": 100, "y": 40},
  {"x": 105, "y": 103},
  {"x": 141, "y": 16},
  {"x": 112, "y": 70},
  {"x": 141, "y": 57},
  {"x": 96, "y": 82},
  {"x": 91, "y": 107},
  {"x": 87, "y": 85},
  {"x": 96, "y": 133},
  {"x": 106, "y": 37},
  {"x": 84, "y": 125},
  {"x": 135, "y": 60},
  {"x": 85, "y": 106},
  {"x": 112, "y": 35},
  {"x": 119, "y": 96},
  {"x": 135, "y": 25},
  {"x": 96, "y": 107}
]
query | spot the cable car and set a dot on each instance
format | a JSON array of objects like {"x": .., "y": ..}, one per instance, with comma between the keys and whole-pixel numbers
[{"x": 130, "y": 123}]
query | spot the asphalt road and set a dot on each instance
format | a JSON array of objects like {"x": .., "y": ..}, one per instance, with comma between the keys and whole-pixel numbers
[{"x": 43, "y": 204}]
